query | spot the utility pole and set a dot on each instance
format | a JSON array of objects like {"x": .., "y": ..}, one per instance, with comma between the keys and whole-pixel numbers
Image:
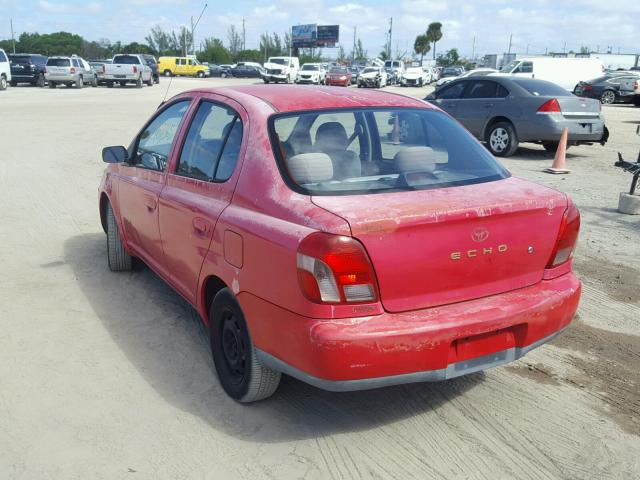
[
  {"x": 13, "y": 40},
  {"x": 193, "y": 29},
  {"x": 564, "y": 47},
  {"x": 473, "y": 49},
  {"x": 510, "y": 40},
  {"x": 390, "y": 36},
  {"x": 353, "y": 52},
  {"x": 244, "y": 37}
]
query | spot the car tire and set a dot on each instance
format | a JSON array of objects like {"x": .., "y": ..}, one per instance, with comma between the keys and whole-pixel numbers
[
  {"x": 79, "y": 83},
  {"x": 52, "y": 84},
  {"x": 265, "y": 80},
  {"x": 636, "y": 100},
  {"x": 608, "y": 97},
  {"x": 40, "y": 81},
  {"x": 167, "y": 73},
  {"x": 139, "y": 82},
  {"x": 241, "y": 374},
  {"x": 118, "y": 258},
  {"x": 200, "y": 74},
  {"x": 123, "y": 84},
  {"x": 109, "y": 84},
  {"x": 502, "y": 140},
  {"x": 156, "y": 79},
  {"x": 150, "y": 82},
  {"x": 552, "y": 147},
  {"x": 94, "y": 84},
  {"x": 3, "y": 82},
  {"x": 13, "y": 84}
]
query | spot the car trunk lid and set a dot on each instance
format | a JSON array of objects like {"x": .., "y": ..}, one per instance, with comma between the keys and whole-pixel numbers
[
  {"x": 441, "y": 246},
  {"x": 576, "y": 108}
]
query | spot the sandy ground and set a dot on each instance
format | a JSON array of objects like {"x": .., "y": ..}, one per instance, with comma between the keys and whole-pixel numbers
[{"x": 109, "y": 376}]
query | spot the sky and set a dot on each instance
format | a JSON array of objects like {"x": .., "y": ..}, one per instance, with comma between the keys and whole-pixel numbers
[{"x": 536, "y": 25}]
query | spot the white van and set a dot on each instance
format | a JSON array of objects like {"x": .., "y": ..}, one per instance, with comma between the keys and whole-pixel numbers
[
  {"x": 5, "y": 70},
  {"x": 566, "y": 72}
]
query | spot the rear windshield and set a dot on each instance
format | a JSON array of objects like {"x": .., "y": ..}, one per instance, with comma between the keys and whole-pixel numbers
[
  {"x": 348, "y": 152},
  {"x": 310, "y": 67},
  {"x": 126, "y": 60},
  {"x": 338, "y": 70},
  {"x": 58, "y": 62},
  {"x": 19, "y": 59},
  {"x": 541, "y": 88}
]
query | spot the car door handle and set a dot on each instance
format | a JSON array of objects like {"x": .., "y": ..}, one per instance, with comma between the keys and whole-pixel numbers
[
  {"x": 201, "y": 227},
  {"x": 151, "y": 203},
  {"x": 488, "y": 105}
]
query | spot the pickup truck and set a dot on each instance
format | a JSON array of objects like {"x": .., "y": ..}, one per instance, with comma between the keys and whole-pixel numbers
[{"x": 127, "y": 68}]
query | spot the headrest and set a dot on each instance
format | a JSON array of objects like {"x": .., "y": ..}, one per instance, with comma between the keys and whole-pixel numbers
[
  {"x": 331, "y": 136},
  {"x": 415, "y": 159},
  {"x": 310, "y": 168}
]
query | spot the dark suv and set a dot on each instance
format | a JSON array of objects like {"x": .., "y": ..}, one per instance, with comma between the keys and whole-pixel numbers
[
  {"x": 27, "y": 68},
  {"x": 153, "y": 64}
]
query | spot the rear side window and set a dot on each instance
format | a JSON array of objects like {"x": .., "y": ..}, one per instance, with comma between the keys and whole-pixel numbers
[
  {"x": 212, "y": 145},
  {"x": 360, "y": 151},
  {"x": 58, "y": 62},
  {"x": 542, "y": 88},
  {"x": 3, "y": 57},
  {"x": 481, "y": 89},
  {"x": 76, "y": 63}
]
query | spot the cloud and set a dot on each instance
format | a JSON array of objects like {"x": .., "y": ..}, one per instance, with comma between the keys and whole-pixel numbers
[{"x": 59, "y": 7}]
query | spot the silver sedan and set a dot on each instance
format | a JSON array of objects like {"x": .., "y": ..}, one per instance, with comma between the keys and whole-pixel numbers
[{"x": 504, "y": 111}]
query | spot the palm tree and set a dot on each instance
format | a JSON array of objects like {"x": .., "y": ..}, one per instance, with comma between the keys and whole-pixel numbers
[
  {"x": 434, "y": 34},
  {"x": 421, "y": 46}
]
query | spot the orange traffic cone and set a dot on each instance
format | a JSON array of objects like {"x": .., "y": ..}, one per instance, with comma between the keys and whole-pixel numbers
[{"x": 559, "y": 162}]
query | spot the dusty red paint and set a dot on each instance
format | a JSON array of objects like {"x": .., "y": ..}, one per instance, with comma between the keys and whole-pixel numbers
[{"x": 430, "y": 303}]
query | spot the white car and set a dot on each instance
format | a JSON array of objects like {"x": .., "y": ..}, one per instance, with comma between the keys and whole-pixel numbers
[
  {"x": 478, "y": 72},
  {"x": 5, "y": 70},
  {"x": 415, "y": 77},
  {"x": 311, "y": 73},
  {"x": 281, "y": 69},
  {"x": 372, "y": 77}
]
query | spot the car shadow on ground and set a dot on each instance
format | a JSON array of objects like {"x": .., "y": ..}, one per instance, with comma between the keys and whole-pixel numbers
[
  {"x": 163, "y": 338},
  {"x": 535, "y": 152}
]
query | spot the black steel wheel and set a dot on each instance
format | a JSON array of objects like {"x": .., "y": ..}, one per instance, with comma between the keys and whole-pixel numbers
[{"x": 241, "y": 374}]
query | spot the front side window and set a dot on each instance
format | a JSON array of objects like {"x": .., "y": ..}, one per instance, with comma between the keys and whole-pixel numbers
[
  {"x": 451, "y": 92},
  {"x": 359, "y": 151},
  {"x": 526, "y": 67},
  {"x": 3, "y": 57},
  {"x": 212, "y": 145},
  {"x": 154, "y": 143}
]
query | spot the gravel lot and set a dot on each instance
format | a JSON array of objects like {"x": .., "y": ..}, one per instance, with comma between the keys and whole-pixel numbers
[{"x": 107, "y": 375}]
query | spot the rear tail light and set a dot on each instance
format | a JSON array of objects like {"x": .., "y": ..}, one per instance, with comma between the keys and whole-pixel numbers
[
  {"x": 72, "y": 70},
  {"x": 335, "y": 269},
  {"x": 135, "y": 69},
  {"x": 634, "y": 86},
  {"x": 567, "y": 237},
  {"x": 551, "y": 106},
  {"x": 588, "y": 87}
]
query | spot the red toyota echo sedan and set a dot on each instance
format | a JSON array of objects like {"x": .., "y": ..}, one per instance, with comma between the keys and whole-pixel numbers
[{"x": 350, "y": 239}]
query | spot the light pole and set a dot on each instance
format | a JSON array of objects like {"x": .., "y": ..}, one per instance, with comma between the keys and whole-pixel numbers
[{"x": 193, "y": 29}]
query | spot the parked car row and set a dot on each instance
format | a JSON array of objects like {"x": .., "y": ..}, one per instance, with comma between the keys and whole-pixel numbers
[
  {"x": 611, "y": 87},
  {"x": 75, "y": 71}
]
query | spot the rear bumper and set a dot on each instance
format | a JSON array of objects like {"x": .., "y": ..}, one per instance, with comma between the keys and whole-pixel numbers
[
  {"x": 24, "y": 78},
  {"x": 338, "y": 83},
  {"x": 60, "y": 78},
  {"x": 425, "y": 345},
  {"x": 548, "y": 128}
]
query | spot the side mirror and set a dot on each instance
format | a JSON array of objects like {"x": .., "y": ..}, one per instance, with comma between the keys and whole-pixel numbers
[
  {"x": 431, "y": 96},
  {"x": 116, "y": 154}
]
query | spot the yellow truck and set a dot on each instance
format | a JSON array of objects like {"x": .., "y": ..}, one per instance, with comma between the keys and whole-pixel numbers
[{"x": 187, "y": 66}]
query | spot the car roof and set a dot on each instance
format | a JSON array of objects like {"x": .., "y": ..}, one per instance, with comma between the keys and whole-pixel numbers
[{"x": 290, "y": 98}]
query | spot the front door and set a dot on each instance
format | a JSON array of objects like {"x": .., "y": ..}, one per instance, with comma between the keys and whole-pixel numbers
[
  {"x": 447, "y": 97},
  {"x": 198, "y": 188},
  {"x": 142, "y": 182},
  {"x": 477, "y": 103}
]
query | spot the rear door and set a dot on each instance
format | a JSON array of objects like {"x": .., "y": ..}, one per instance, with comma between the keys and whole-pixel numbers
[
  {"x": 141, "y": 182},
  {"x": 198, "y": 188}
]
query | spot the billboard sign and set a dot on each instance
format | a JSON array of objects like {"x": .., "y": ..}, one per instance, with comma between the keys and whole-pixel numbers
[
  {"x": 327, "y": 35},
  {"x": 303, "y": 36}
]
